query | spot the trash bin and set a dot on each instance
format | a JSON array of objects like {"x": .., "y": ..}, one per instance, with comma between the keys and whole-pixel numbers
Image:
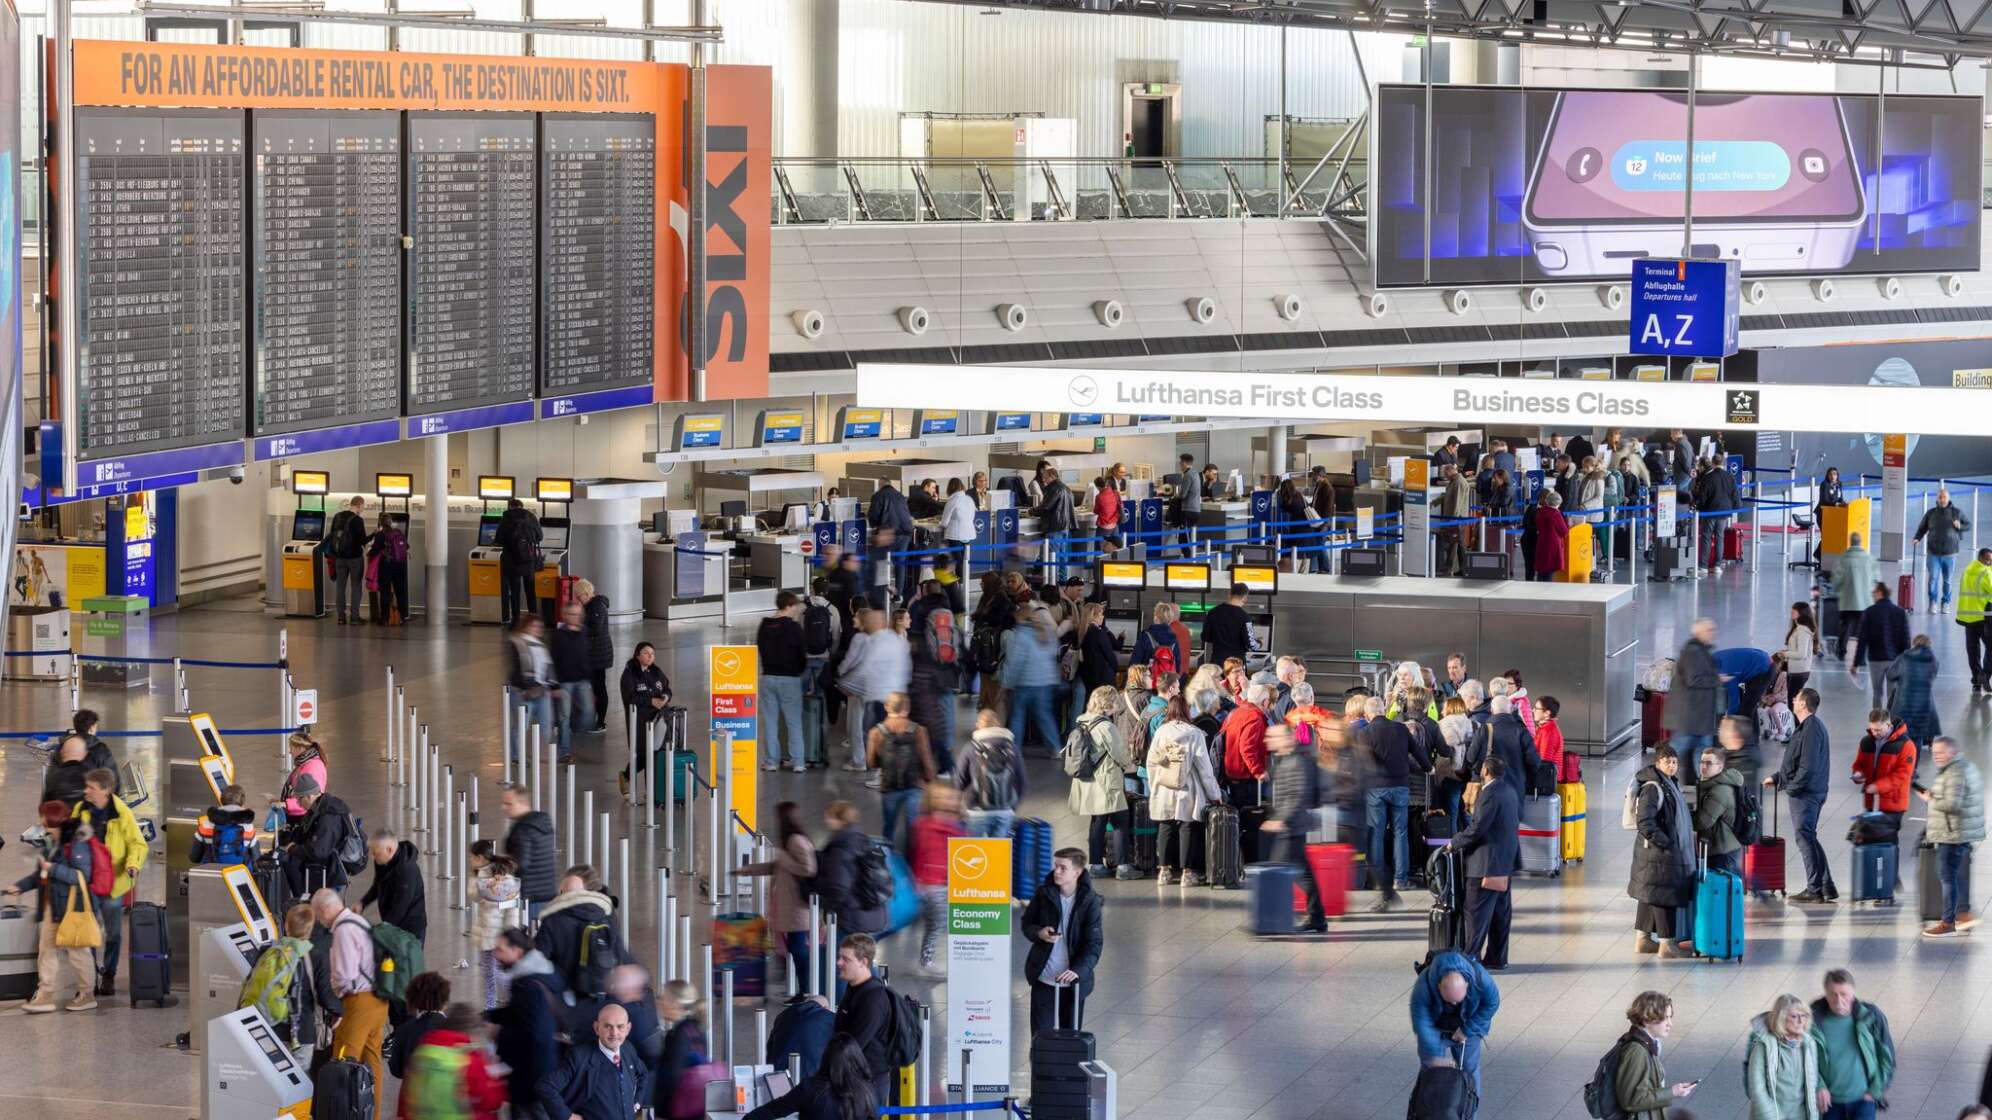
[
  {"x": 116, "y": 626},
  {"x": 37, "y": 643}
]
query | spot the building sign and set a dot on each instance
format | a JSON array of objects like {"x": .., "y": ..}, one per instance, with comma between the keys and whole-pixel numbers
[
  {"x": 979, "y": 963},
  {"x": 1686, "y": 307},
  {"x": 1894, "y": 500},
  {"x": 734, "y": 674}
]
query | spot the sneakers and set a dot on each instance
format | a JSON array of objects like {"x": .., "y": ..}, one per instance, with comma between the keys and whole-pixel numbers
[
  {"x": 769, "y": 768},
  {"x": 876, "y": 781},
  {"x": 1127, "y": 871},
  {"x": 1806, "y": 896},
  {"x": 1941, "y": 929},
  {"x": 1382, "y": 905},
  {"x": 799, "y": 768},
  {"x": 1097, "y": 870},
  {"x": 1164, "y": 876},
  {"x": 853, "y": 768},
  {"x": 41, "y": 1006},
  {"x": 1965, "y": 920},
  {"x": 85, "y": 1002},
  {"x": 1669, "y": 951},
  {"x": 1644, "y": 944},
  {"x": 1192, "y": 879},
  {"x": 107, "y": 982}
]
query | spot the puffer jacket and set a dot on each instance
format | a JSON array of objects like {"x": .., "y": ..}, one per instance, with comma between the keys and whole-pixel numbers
[
  {"x": 499, "y": 908},
  {"x": 601, "y": 643},
  {"x": 1957, "y": 804},
  {"x": 1914, "y": 675},
  {"x": 1200, "y": 789},
  {"x": 67, "y": 882},
  {"x": 836, "y": 883},
  {"x": 1106, "y": 791},
  {"x": 1889, "y": 766},
  {"x": 530, "y": 844},
  {"x": 1766, "y": 1058},
  {"x": 1716, "y": 811},
  {"x": 562, "y": 928},
  {"x": 1663, "y": 860}
]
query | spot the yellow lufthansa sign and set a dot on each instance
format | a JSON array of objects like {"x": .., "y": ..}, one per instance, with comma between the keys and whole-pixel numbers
[
  {"x": 1417, "y": 474},
  {"x": 978, "y": 870},
  {"x": 733, "y": 674}
]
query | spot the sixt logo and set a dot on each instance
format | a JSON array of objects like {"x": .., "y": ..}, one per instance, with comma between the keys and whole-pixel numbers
[{"x": 727, "y": 267}]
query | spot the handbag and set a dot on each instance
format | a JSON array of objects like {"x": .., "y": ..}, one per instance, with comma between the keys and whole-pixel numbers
[
  {"x": 79, "y": 928},
  {"x": 1494, "y": 882}
]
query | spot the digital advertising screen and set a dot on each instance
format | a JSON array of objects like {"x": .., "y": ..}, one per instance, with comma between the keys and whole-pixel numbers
[{"x": 1534, "y": 185}]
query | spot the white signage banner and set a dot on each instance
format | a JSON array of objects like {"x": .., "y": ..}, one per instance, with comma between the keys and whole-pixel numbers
[
  {"x": 979, "y": 969},
  {"x": 1461, "y": 401},
  {"x": 1894, "y": 529},
  {"x": 1365, "y": 523},
  {"x": 1665, "y": 500}
]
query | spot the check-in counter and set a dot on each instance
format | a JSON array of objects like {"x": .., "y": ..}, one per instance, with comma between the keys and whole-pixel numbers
[
  {"x": 775, "y": 560},
  {"x": 755, "y": 489},
  {"x": 861, "y": 479},
  {"x": 1578, "y": 642},
  {"x": 680, "y": 580},
  {"x": 462, "y": 513},
  {"x": 1073, "y": 465}
]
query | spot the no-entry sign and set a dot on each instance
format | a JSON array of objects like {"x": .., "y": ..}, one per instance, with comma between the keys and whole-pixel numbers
[{"x": 304, "y": 707}]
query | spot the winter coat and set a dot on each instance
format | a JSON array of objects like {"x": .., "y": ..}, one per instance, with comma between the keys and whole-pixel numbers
[
  {"x": 482, "y": 1089},
  {"x": 1505, "y": 738},
  {"x": 639, "y": 685},
  {"x": 836, "y": 883},
  {"x": 1957, "y": 804},
  {"x": 1694, "y": 701},
  {"x": 1200, "y": 787},
  {"x": 1641, "y": 1083},
  {"x": 1974, "y": 592},
  {"x": 1912, "y": 677},
  {"x": 1889, "y": 766},
  {"x": 1085, "y": 936},
  {"x": 794, "y": 864},
  {"x": 1552, "y": 536},
  {"x": 1806, "y": 761},
  {"x": 1663, "y": 861},
  {"x": 570, "y": 653},
  {"x": 397, "y": 887},
  {"x": 1030, "y": 655},
  {"x": 1244, "y": 743},
  {"x": 601, "y": 643},
  {"x": 529, "y": 1024},
  {"x": 1099, "y": 661},
  {"x": 1106, "y": 791},
  {"x": 64, "y": 781},
  {"x": 985, "y": 745},
  {"x": 888, "y": 510},
  {"x": 877, "y": 665},
  {"x": 1054, "y": 511},
  {"x": 530, "y": 843},
  {"x": 587, "y": 1084},
  {"x": 1476, "y": 1011},
  {"x": 1766, "y": 1059},
  {"x": 1716, "y": 808},
  {"x": 563, "y": 925},
  {"x": 117, "y": 827},
  {"x": 67, "y": 882},
  {"x": 1491, "y": 841},
  {"x": 1883, "y": 633},
  {"x": 498, "y": 908},
  {"x": 1854, "y": 578},
  {"x": 319, "y": 835},
  {"x": 314, "y": 766},
  {"x": 1944, "y": 526}
]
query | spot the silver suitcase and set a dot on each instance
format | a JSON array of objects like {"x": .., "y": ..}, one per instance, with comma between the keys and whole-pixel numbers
[{"x": 1541, "y": 835}]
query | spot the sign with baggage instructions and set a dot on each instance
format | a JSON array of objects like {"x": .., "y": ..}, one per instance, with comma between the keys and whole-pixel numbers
[{"x": 979, "y": 962}]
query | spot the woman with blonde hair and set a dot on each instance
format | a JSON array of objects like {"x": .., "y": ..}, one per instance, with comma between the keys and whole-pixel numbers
[
  {"x": 1101, "y": 794},
  {"x": 679, "y": 1011},
  {"x": 1781, "y": 1063}
]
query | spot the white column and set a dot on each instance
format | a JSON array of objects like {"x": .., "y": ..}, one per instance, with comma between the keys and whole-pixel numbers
[
  {"x": 436, "y": 542},
  {"x": 1276, "y": 454}
]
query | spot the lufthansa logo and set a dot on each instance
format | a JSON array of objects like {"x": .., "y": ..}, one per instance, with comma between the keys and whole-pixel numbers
[
  {"x": 1741, "y": 406},
  {"x": 1083, "y": 390}
]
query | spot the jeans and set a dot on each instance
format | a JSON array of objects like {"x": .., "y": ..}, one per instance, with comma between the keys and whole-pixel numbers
[
  {"x": 1852, "y": 1110},
  {"x": 797, "y": 943},
  {"x": 110, "y": 911},
  {"x": 899, "y": 803},
  {"x": 1805, "y": 822},
  {"x": 1953, "y": 860},
  {"x": 1940, "y": 570},
  {"x": 515, "y": 591},
  {"x": 860, "y": 716},
  {"x": 1878, "y": 681},
  {"x": 1977, "y": 651},
  {"x": 1035, "y": 704},
  {"x": 781, "y": 707},
  {"x": 1689, "y": 747},
  {"x": 1075, "y": 705},
  {"x": 993, "y": 824},
  {"x": 346, "y": 576},
  {"x": 1466, "y": 1055},
  {"x": 539, "y": 711},
  {"x": 1096, "y": 838},
  {"x": 577, "y": 714},
  {"x": 813, "y": 730},
  {"x": 934, "y": 912},
  {"x": 944, "y": 750},
  {"x": 1390, "y": 806}
]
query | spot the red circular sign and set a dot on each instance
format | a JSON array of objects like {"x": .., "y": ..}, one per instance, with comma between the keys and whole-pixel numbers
[
  {"x": 305, "y": 711},
  {"x": 808, "y": 547}
]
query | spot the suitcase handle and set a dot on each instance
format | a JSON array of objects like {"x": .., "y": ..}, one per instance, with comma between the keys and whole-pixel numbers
[{"x": 1058, "y": 1001}]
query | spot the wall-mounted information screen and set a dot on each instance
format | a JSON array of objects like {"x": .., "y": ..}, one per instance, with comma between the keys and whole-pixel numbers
[
  {"x": 159, "y": 249},
  {"x": 599, "y": 183},
  {"x": 325, "y": 244},
  {"x": 471, "y": 290}
]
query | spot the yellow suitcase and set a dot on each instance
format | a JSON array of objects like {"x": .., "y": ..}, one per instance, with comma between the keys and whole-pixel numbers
[{"x": 1572, "y": 794}]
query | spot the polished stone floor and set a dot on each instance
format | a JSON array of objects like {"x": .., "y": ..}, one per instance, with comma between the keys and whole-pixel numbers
[{"x": 1199, "y": 1019}]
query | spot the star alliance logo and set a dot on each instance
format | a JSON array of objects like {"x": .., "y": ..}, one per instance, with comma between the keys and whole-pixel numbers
[{"x": 1740, "y": 405}]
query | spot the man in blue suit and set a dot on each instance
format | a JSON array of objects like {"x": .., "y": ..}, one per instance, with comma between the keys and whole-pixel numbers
[
  {"x": 1492, "y": 846},
  {"x": 606, "y": 1081}
]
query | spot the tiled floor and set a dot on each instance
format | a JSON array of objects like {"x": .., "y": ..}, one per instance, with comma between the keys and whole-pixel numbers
[{"x": 1199, "y": 1019}]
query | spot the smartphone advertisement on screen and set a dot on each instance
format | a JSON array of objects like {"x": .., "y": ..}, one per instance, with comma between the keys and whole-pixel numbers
[{"x": 1545, "y": 185}]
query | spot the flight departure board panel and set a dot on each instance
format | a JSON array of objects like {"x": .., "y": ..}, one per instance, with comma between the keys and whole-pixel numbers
[
  {"x": 599, "y": 187},
  {"x": 471, "y": 290},
  {"x": 159, "y": 248},
  {"x": 326, "y": 259}
]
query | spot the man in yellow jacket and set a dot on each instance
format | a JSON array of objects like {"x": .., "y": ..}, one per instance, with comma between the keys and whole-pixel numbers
[
  {"x": 112, "y": 820},
  {"x": 1974, "y": 594}
]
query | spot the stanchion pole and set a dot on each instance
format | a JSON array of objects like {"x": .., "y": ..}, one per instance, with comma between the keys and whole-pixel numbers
[
  {"x": 405, "y": 763},
  {"x": 968, "y": 1079},
  {"x": 670, "y": 779},
  {"x": 466, "y": 898},
  {"x": 921, "y": 1065},
  {"x": 552, "y": 776},
  {"x": 622, "y": 880},
  {"x": 180, "y": 692},
  {"x": 519, "y": 728},
  {"x": 663, "y": 926},
  {"x": 726, "y": 997},
  {"x": 815, "y": 986},
  {"x": 632, "y": 756},
  {"x": 435, "y": 754},
  {"x": 684, "y": 945},
  {"x": 505, "y": 741},
  {"x": 387, "y": 705},
  {"x": 417, "y": 767},
  {"x": 650, "y": 770},
  {"x": 712, "y": 842},
  {"x": 567, "y": 812},
  {"x": 760, "y": 1036},
  {"x": 704, "y": 984},
  {"x": 532, "y": 761},
  {"x": 448, "y": 800},
  {"x": 587, "y": 834},
  {"x": 604, "y": 848}
]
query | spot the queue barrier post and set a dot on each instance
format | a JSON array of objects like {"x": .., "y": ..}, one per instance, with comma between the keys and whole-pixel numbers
[{"x": 587, "y": 834}]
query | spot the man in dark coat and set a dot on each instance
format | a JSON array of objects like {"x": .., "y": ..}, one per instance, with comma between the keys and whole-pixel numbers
[
  {"x": 865, "y": 1011},
  {"x": 533, "y": 1018},
  {"x": 837, "y": 872},
  {"x": 1492, "y": 845},
  {"x": 1694, "y": 701},
  {"x": 803, "y": 1028},
  {"x": 603, "y": 1081},
  {"x": 1507, "y": 738},
  {"x": 322, "y": 829},
  {"x": 563, "y": 934},
  {"x": 1806, "y": 778},
  {"x": 397, "y": 885},
  {"x": 529, "y": 842},
  {"x": 518, "y": 538}
]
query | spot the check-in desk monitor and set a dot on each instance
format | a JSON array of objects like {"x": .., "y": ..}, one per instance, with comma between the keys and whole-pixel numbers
[
  {"x": 1262, "y": 582},
  {"x": 1365, "y": 562}
]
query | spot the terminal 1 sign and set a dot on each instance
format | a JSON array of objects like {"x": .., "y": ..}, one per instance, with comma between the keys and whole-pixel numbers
[{"x": 1687, "y": 307}]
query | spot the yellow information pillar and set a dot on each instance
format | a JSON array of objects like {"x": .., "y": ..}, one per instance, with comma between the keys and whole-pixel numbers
[
  {"x": 1578, "y": 554},
  {"x": 1837, "y": 523}
]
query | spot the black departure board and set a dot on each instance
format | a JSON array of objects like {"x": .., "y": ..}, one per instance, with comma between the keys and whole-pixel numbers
[
  {"x": 597, "y": 252},
  {"x": 471, "y": 289},
  {"x": 326, "y": 261},
  {"x": 159, "y": 249}
]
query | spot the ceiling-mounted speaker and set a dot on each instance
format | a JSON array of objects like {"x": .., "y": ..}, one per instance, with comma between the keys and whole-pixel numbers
[
  {"x": 1823, "y": 290},
  {"x": 1612, "y": 296},
  {"x": 1756, "y": 292},
  {"x": 1203, "y": 308},
  {"x": 1459, "y": 301},
  {"x": 1536, "y": 299},
  {"x": 1952, "y": 284},
  {"x": 914, "y": 320},
  {"x": 809, "y": 323},
  {"x": 1376, "y": 305},
  {"x": 1890, "y": 287},
  {"x": 1289, "y": 307},
  {"x": 1109, "y": 312},
  {"x": 1013, "y": 316}
]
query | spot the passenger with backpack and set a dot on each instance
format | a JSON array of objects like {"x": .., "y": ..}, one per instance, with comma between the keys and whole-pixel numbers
[
  {"x": 934, "y": 632},
  {"x": 789, "y": 872},
  {"x": 1095, "y": 758},
  {"x": 449, "y": 1074},
  {"x": 783, "y": 661},
  {"x": 822, "y": 633},
  {"x": 577, "y": 934},
  {"x": 65, "y": 904},
  {"x": 387, "y": 555},
  {"x": 1182, "y": 786},
  {"x": 897, "y": 748},
  {"x": 872, "y": 1016},
  {"x": 397, "y": 884},
  {"x": 1631, "y": 1082},
  {"x": 533, "y": 1019},
  {"x": 346, "y": 545},
  {"x": 989, "y": 771},
  {"x": 845, "y": 881},
  {"x": 362, "y": 1018},
  {"x": 116, "y": 828},
  {"x": 286, "y": 985},
  {"x": 518, "y": 539},
  {"x": 226, "y": 833},
  {"x": 329, "y": 849},
  {"x": 1157, "y": 647}
]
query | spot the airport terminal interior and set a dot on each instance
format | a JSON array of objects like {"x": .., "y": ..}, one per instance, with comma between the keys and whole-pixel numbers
[{"x": 1571, "y": 341}]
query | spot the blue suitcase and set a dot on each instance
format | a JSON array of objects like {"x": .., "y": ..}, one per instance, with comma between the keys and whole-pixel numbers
[
  {"x": 1875, "y": 871},
  {"x": 1031, "y": 855},
  {"x": 1271, "y": 886},
  {"x": 1718, "y": 915}
]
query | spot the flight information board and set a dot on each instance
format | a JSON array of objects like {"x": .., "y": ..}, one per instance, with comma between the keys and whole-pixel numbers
[
  {"x": 471, "y": 290},
  {"x": 599, "y": 186},
  {"x": 159, "y": 250},
  {"x": 326, "y": 258}
]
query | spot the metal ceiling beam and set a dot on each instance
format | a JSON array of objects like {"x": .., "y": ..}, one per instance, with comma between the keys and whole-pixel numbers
[{"x": 442, "y": 23}]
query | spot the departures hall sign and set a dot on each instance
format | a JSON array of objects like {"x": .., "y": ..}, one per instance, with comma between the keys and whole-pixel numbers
[{"x": 1431, "y": 400}]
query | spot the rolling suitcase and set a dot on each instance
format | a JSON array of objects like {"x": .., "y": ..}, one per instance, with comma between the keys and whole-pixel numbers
[
  {"x": 20, "y": 944},
  {"x": 268, "y": 871},
  {"x": 1271, "y": 885},
  {"x": 1442, "y": 1093},
  {"x": 1573, "y": 834},
  {"x": 1905, "y": 591},
  {"x": 1875, "y": 871},
  {"x": 1060, "y": 1090},
  {"x": 1445, "y": 925},
  {"x": 1764, "y": 861},
  {"x": 343, "y": 1090},
  {"x": 1732, "y": 542},
  {"x": 1329, "y": 863},
  {"x": 1652, "y": 714},
  {"x": 1032, "y": 854},
  {"x": 1223, "y": 861},
  {"x": 1139, "y": 847},
  {"x": 1542, "y": 835},
  {"x": 151, "y": 950},
  {"x": 1718, "y": 920},
  {"x": 1929, "y": 888}
]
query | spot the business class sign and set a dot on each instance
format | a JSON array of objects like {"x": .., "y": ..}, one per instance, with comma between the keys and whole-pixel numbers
[{"x": 1432, "y": 400}]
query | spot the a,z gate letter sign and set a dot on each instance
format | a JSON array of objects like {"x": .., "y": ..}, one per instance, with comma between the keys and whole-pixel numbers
[{"x": 1686, "y": 307}]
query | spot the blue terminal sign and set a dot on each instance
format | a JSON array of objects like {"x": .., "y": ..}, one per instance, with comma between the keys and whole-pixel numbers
[{"x": 1689, "y": 308}]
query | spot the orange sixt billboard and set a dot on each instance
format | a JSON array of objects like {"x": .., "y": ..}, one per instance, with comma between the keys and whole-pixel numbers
[{"x": 739, "y": 124}]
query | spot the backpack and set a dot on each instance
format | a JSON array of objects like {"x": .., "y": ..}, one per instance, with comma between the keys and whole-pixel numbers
[
  {"x": 1614, "y": 488},
  {"x": 598, "y": 956},
  {"x": 941, "y": 637},
  {"x": 898, "y": 759},
  {"x": 352, "y": 850},
  {"x": 871, "y": 887},
  {"x": 1601, "y": 1092},
  {"x": 816, "y": 635},
  {"x": 985, "y": 649},
  {"x": 397, "y": 547},
  {"x": 1165, "y": 765},
  {"x": 1163, "y": 660},
  {"x": 1629, "y": 809},
  {"x": 268, "y": 988},
  {"x": 397, "y": 960},
  {"x": 103, "y": 876},
  {"x": 226, "y": 847},
  {"x": 995, "y": 779},
  {"x": 1749, "y": 815},
  {"x": 434, "y": 1089},
  {"x": 1079, "y": 757},
  {"x": 902, "y": 1046}
]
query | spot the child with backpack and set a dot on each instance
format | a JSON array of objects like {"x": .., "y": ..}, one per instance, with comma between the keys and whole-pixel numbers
[
  {"x": 283, "y": 985},
  {"x": 226, "y": 833},
  {"x": 932, "y": 830},
  {"x": 499, "y": 907}
]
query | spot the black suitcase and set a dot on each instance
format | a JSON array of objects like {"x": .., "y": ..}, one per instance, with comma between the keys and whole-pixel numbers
[
  {"x": 1670, "y": 560},
  {"x": 151, "y": 951},
  {"x": 268, "y": 871},
  {"x": 343, "y": 1090},
  {"x": 1139, "y": 848},
  {"x": 1442, "y": 1093},
  {"x": 1445, "y": 926},
  {"x": 1059, "y": 1089},
  {"x": 1224, "y": 860},
  {"x": 1929, "y": 888}
]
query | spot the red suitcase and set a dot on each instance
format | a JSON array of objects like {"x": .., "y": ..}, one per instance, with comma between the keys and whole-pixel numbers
[
  {"x": 1331, "y": 864},
  {"x": 1764, "y": 861},
  {"x": 1652, "y": 710},
  {"x": 1905, "y": 591},
  {"x": 1732, "y": 542}
]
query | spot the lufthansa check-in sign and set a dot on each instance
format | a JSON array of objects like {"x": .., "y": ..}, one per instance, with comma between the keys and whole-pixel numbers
[
  {"x": 1686, "y": 307},
  {"x": 1452, "y": 401}
]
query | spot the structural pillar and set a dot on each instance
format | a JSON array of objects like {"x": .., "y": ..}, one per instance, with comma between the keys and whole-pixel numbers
[
  {"x": 807, "y": 120},
  {"x": 1276, "y": 453},
  {"x": 436, "y": 547}
]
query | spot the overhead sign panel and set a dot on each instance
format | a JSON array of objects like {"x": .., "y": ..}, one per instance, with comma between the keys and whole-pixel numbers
[
  {"x": 598, "y": 255},
  {"x": 1690, "y": 308}
]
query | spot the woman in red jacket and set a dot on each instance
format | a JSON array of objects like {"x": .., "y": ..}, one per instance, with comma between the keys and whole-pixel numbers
[
  {"x": 449, "y": 1075},
  {"x": 1885, "y": 765},
  {"x": 1552, "y": 538}
]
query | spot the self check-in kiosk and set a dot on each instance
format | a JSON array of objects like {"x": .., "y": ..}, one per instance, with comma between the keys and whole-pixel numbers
[
  {"x": 302, "y": 565},
  {"x": 555, "y": 497},
  {"x": 1187, "y": 585},
  {"x": 1261, "y": 579},
  {"x": 494, "y": 493},
  {"x": 248, "y": 1073},
  {"x": 1123, "y": 582}
]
